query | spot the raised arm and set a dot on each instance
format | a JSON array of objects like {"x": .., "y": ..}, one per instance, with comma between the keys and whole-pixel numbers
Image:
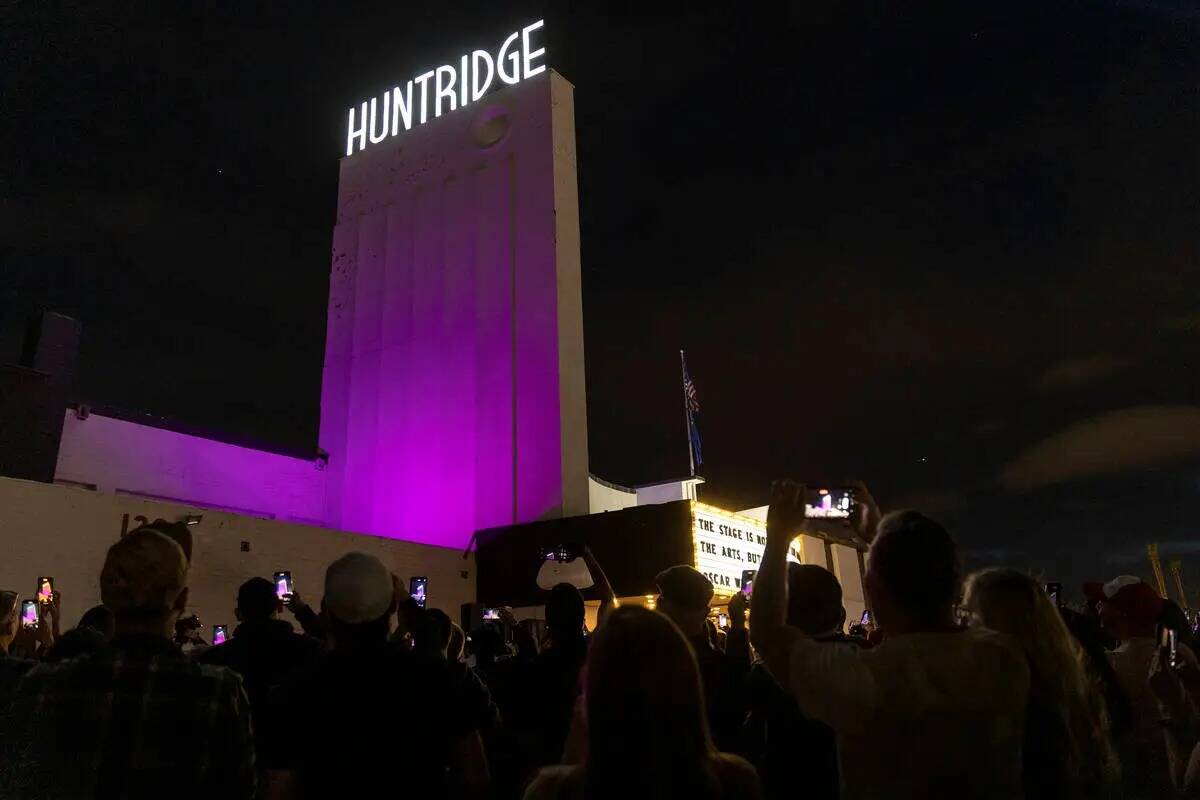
[
  {"x": 608, "y": 599},
  {"x": 310, "y": 621},
  {"x": 769, "y": 632}
]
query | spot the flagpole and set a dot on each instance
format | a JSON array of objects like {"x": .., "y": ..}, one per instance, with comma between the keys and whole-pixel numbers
[{"x": 687, "y": 414}]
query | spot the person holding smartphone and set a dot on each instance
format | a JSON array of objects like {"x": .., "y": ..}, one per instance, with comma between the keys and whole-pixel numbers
[
  {"x": 777, "y": 729},
  {"x": 12, "y": 669},
  {"x": 39, "y": 624},
  {"x": 933, "y": 710},
  {"x": 87, "y": 726},
  {"x": 326, "y": 751},
  {"x": 263, "y": 649}
]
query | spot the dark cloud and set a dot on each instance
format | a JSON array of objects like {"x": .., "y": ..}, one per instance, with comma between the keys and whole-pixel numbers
[
  {"x": 1185, "y": 323},
  {"x": 1167, "y": 550},
  {"x": 1111, "y": 443},
  {"x": 1076, "y": 372},
  {"x": 943, "y": 504}
]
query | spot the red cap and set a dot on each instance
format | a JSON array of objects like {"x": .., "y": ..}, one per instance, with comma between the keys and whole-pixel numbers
[{"x": 1129, "y": 594}]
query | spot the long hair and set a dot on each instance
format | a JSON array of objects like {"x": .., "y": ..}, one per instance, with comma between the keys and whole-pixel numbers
[
  {"x": 648, "y": 732},
  {"x": 1013, "y": 603}
]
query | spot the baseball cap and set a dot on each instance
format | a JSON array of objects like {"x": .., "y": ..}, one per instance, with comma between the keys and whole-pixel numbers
[
  {"x": 180, "y": 533},
  {"x": 684, "y": 586},
  {"x": 143, "y": 575},
  {"x": 1129, "y": 594},
  {"x": 358, "y": 588}
]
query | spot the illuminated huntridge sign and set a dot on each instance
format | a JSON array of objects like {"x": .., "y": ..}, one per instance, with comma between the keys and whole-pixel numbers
[
  {"x": 728, "y": 543},
  {"x": 444, "y": 89}
]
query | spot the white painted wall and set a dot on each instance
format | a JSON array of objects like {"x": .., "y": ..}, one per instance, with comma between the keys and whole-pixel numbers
[
  {"x": 758, "y": 512},
  {"x": 845, "y": 567},
  {"x": 667, "y": 492},
  {"x": 124, "y": 457},
  {"x": 609, "y": 497},
  {"x": 65, "y": 532}
]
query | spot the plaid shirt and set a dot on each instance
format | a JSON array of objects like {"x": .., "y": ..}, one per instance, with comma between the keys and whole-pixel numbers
[{"x": 137, "y": 721}]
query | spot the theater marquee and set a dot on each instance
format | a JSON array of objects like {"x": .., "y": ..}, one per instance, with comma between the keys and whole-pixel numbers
[
  {"x": 726, "y": 544},
  {"x": 446, "y": 88}
]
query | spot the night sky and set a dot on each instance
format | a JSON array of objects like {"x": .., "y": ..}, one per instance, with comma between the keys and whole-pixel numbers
[{"x": 952, "y": 250}]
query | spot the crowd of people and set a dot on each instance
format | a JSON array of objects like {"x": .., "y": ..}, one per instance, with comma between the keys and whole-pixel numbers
[{"x": 978, "y": 686}]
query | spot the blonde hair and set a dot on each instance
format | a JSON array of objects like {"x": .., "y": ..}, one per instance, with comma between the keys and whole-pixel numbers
[
  {"x": 642, "y": 677},
  {"x": 1013, "y": 603}
]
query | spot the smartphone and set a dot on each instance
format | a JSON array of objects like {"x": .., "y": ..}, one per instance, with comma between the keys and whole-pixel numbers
[
  {"x": 417, "y": 587},
  {"x": 1054, "y": 590},
  {"x": 865, "y": 619},
  {"x": 748, "y": 576},
  {"x": 829, "y": 503},
  {"x": 45, "y": 589},
  {"x": 29, "y": 613},
  {"x": 722, "y": 621},
  {"x": 561, "y": 553},
  {"x": 283, "y": 584},
  {"x": 220, "y": 634},
  {"x": 491, "y": 615}
]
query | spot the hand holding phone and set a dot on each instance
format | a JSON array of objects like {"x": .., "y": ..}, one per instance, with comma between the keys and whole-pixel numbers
[
  {"x": 417, "y": 589},
  {"x": 837, "y": 503},
  {"x": 220, "y": 634},
  {"x": 284, "y": 587},
  {"x": 29, "y": 613},
  {"x": 748, "y": 576}
]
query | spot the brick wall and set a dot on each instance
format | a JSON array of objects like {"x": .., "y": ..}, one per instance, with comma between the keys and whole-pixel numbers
[{"x": 65, "y": 531}]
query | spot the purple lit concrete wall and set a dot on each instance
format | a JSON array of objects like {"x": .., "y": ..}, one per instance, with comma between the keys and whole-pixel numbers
[
  {"x": 453, "y": 393},
  {"x": 122, "y": 457}
]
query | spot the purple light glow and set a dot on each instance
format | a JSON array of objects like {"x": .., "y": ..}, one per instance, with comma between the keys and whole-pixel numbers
[
  {"x": 125, "y": 457},
  {"x": 454, "y": 348},
  {"x": 439, "y": 246}
]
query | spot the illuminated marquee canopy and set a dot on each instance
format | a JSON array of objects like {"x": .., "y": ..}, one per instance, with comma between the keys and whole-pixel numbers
[
  {"x": 728, "y": 543},
  {"x": 444, "y": 89}
]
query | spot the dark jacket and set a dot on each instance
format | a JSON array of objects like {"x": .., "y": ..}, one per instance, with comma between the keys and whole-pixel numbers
[
  {"x": 11, "y": 672},
  {"x": 726, "y": 689},
  {"x": 267, "y": 655},
  {"x": 372, "y": 717}
]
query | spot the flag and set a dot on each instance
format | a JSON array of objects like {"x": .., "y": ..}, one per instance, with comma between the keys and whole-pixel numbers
[
  {"x": 691, "y": 406},
  {"x": 689, "y": 391}
]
